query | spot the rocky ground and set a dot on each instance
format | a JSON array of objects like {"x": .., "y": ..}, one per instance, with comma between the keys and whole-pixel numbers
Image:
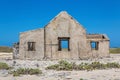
[{"x": 107, "y": 74}]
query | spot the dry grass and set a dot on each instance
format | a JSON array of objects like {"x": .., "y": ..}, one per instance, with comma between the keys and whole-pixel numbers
[
  {"x": 5, "y": 49},
  {"x": 115, "y": 50}
]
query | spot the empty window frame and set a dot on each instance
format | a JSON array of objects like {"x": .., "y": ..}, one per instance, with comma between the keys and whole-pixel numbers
[
  {"x": 94, "y": 45},
  {"x": 63, "y": 43},
  {"x": 31, "y": 46}
]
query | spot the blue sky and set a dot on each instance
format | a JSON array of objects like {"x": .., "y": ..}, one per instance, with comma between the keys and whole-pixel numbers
[{"x": 97, "y": 16}]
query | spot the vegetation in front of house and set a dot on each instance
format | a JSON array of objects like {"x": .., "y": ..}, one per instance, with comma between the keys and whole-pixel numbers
[
  {"x": 5, "y": 49},
  {"x": 25, "y": 71},
  {"x": 64, "y": 65},
  {"x": 4, "y": 66},
  {"x": 115, "y": 50},
  {"x": 81, "y": 79},
  {"x": 20, "y": 71}
]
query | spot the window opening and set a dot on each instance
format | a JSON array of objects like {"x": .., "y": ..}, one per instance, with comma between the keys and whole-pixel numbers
[
  {"x": 94, "y": 45},
  {"x": 31, "y": 46},
  {"x": 63, "y": 43}
]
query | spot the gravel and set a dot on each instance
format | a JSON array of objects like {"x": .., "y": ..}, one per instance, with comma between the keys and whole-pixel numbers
[{"x": 108, "y": 74}]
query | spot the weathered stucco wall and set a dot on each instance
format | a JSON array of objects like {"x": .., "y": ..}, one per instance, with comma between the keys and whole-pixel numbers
[
  {"x": 103, "y": 48},
  {"x": 36, "y": 36},
  {"x": 64, "y": 25}
]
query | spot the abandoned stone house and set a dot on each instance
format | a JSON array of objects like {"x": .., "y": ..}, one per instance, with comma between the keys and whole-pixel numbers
[{"x": 47, "y": 43}]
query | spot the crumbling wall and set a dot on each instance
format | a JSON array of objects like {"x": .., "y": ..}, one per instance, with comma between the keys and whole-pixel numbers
[
  {"x": 64, "y": 25},
  {"x": 16, "y": 50},
  {"x": 103, "y": 47},
  {"x": 36, "y": 36}
]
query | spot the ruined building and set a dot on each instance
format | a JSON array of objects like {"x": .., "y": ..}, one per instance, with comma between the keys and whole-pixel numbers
[{"x": 47, "y": 43}]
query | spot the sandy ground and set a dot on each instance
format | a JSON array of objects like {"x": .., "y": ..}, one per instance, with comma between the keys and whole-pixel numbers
[
  {"x": 107, "y": 74},
  {"x": 4, "y": 55}
]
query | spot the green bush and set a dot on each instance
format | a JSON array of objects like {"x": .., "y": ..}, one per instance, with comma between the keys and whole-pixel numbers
[
  {"x": 4, "y": 66},
  {"x": 84, "y": 66},
  {"x": 81, "y": 79},
  {"x": 97, "y": 65},
  {"x": 15, "y": 73},
  {"x": 56, "y": 66},
  {"x": 24, "y": 71},
  {"x": 35, "y": 71},
  {"x": 64, "y": 65},
  {"x": 113, "y": 65}
]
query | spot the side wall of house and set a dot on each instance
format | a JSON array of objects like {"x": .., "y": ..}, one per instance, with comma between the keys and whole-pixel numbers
[
  {"x": 65, "y": 26},
  {"x": 36, "y": 36},
  {"x": 103, "y": 48}
]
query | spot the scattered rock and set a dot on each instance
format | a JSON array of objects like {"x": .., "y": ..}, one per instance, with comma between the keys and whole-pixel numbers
[{"x": 108, "y": 74}]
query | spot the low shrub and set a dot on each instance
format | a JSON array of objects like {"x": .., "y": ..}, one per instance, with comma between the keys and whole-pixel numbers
[
  {"x": 35, "y": 71},
  {"x": 113, "y": 65},
  {"x": 81, "y": 79},
  {"x": 56, "y": 66},
  {"x": 84, "y": 66},
  {"x": 64, "y": 65},
  {"x": 97, "y": 65},
  {"x": 24, "y": 71},
  {"x": 4, "y": 66}
]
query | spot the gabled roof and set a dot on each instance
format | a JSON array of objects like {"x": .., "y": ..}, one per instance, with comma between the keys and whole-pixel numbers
[
  {"x": 61, "y": 13},
  {"x": 64, "y": 13}
]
